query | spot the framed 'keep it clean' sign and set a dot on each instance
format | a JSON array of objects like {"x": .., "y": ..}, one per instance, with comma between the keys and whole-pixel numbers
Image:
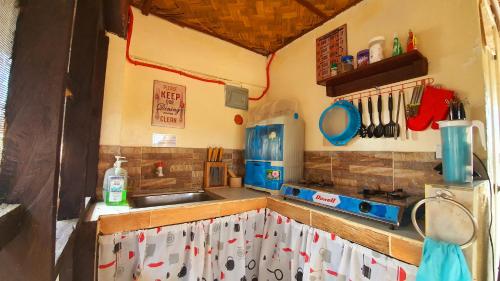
[{"x": 169, "y": 105}]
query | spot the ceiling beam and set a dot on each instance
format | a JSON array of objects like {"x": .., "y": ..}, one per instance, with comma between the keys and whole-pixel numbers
[
  {"x": 350, "y": 4},
  {"x": 146, "y": 7},
  {"x": 306, "y": 4}
]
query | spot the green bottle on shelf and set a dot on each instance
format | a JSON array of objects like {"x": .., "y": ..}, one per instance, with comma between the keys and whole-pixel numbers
[
  {"x": 115, "y": 184},
  {"x": 397, "y": 49}
]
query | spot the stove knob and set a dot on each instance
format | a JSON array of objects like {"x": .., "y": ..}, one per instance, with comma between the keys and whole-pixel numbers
[
  {"x": 365, "y": 207},
  {"x": 295, "y": 191}
]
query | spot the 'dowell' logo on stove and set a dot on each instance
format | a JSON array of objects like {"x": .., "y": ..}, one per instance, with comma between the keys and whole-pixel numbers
[{"x": 326, "y": 199}]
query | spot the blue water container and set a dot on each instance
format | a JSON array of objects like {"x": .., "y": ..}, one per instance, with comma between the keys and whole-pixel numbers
[{"x": 456, "y": 145}]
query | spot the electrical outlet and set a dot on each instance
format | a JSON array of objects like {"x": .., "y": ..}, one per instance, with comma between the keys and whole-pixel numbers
[{"x": 438, "y": 152}]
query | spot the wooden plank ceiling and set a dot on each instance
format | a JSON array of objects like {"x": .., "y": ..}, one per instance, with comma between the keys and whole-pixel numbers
[{"x": 262, "y": 26}]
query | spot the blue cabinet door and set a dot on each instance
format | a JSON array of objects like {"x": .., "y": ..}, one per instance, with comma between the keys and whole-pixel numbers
[
  {"x": 274, "y": 177},
  {"x": 255, "y": 173},
  {"x": 262, "y": 174},
  {"x": 254, "y": 145},
  {"x": 264, "y": 143}
]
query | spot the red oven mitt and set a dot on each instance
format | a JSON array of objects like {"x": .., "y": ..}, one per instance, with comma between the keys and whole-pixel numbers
[{"x": 433, "y": 107}]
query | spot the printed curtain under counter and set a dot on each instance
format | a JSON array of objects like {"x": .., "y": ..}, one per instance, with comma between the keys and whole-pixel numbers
[
  {"x": 226, "y": 248},
  {"x": 293, "y": 251},
  {"x": 256, "y": 245}
]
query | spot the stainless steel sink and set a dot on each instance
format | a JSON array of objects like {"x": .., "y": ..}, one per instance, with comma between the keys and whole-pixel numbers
[{"x": 170, "y": 199}]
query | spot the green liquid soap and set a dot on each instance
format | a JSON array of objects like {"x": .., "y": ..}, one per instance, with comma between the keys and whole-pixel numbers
[{"x": 115, "y": 184}]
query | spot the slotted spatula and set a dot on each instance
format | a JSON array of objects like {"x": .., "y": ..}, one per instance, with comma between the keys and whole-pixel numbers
[{"x": 390, "y": 128}]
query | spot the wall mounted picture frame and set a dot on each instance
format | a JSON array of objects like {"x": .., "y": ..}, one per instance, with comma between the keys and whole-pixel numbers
[{"x": 169, "y": 105}]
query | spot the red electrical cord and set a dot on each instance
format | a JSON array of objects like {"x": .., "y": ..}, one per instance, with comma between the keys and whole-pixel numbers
[
  {"x": 268, "y": 82},
  {"x": 150, "y": 65},
  {"x": 136, "y": 62}
]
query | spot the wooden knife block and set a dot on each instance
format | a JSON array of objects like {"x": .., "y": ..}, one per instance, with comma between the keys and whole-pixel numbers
[{"x": 208, "y": 179}]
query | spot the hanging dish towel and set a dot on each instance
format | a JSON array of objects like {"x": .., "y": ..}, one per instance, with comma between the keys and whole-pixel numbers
[{"x": 442, "y": 261}]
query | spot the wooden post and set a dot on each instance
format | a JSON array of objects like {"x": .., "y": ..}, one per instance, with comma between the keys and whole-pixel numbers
[
  {"x": 66, "y": 267},
  {"x": 85, "y": 252},
  {"x": 116, "y": 16},
  {"x": 146, "y": 7},
  {"x": 308, "y": 5},
  {"x": 96, "y": 114},
  {"x": 77, "y": 123},
  {"x": 34, "y": 112}
]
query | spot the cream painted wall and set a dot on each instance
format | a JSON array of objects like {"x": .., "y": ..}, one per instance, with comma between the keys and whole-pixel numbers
[
  {"x": 128, "y": 88},
  {"x": 111, "y": 123},
  {"x": 448, "y": 34},
  {"x": 447, "y": 31}
]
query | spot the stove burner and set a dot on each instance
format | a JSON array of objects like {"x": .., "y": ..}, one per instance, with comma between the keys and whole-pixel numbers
[
  {"x": 367, "y": 192},
  {"x": 398, "y": 194},
  {"x": 321, "y": 183}
]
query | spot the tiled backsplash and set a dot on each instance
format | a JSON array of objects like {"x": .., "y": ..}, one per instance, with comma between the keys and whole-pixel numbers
[
  {"x": 384, "y": 170},
  {"x": 183, "y": 167}
]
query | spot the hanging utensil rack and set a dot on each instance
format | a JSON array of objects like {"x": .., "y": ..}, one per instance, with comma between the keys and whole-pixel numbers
[{"x": 375, "y": 91}]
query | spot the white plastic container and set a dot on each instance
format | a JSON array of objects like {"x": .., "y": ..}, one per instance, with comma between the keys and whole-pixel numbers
[{"x": 376, "y": 48}]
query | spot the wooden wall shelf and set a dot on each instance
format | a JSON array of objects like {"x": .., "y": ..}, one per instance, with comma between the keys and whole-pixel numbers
[{"x": 391, "y": 70}]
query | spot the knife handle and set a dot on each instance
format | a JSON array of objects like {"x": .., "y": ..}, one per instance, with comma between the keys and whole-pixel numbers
[
  {"x": 462, "y": 111},
  {"x": 221, "y": 154},
  {"x": 214, "y": 154},
  {"x": 210, "y": 150}
]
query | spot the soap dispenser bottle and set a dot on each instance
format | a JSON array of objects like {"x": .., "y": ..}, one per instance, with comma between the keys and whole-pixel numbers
[{"x": 115, "y": 184}]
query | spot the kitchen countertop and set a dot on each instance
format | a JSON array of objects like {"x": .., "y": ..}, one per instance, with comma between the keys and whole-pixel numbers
[
  {"x": 231, "y": 194},
  {"x": 407, "y": 231},
  {"x": 228, "y": 194}
]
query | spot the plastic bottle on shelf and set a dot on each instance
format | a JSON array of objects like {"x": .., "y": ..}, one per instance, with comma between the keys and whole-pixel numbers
[
  {"x": 412, "y": 42},
  {"x": 396, "y": 46}
]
